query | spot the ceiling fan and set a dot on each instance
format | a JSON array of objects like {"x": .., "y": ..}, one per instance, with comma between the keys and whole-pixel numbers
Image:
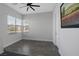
[{"x": 30, "y": 5}]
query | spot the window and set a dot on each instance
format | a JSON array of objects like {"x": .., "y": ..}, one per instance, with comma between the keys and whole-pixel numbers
[
  {"x": 11, "y": 24},
  {"x": 18, "y": 25},
  {"x": 25, "y": 26},
  {"x": 14, "y": 24}
]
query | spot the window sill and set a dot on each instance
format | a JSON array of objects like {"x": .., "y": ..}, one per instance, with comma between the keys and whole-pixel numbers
[{"x": 11, "y": 32}]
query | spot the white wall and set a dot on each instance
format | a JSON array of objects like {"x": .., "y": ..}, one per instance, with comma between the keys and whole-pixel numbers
[
  {"x": 40, "y": 27},
  {"x": 1, "y": 34},
  {"x": 7, "y": 39},
  {"x": 67, "y": 39}
]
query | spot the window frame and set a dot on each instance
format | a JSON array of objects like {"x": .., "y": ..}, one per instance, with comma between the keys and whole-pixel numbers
[{"x": 14, "y": 25}]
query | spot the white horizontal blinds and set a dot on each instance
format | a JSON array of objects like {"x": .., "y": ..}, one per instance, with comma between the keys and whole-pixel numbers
[{"x": 11, "y": 23}]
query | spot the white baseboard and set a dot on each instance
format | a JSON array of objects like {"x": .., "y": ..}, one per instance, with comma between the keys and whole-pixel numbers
[{"x": 38, "y": 39}]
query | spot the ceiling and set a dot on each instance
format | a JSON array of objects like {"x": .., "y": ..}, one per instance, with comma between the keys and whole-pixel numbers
[{"x": 44, "y": 7}]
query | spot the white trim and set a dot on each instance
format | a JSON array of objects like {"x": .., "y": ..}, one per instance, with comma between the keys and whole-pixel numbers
[{"x": 37, "y": 39}]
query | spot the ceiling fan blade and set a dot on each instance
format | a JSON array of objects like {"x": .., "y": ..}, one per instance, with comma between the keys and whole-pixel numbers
[
  {"x": 29, "y": 3},
  {"x": 35, "y": 5},
  {"x": 27, "y": 8},
  {"x": 23, "y": 6},
  {"x": 32, "y": 8}
]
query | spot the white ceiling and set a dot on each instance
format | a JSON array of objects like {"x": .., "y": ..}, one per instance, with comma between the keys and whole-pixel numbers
[{"x": 44, "y": 7}]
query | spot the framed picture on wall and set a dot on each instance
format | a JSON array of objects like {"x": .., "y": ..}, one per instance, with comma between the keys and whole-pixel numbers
[{"x": 69, "y": 15}]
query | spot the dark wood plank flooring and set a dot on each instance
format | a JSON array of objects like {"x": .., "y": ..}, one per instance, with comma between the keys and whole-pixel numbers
[{"x": 32, "y": 48}]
